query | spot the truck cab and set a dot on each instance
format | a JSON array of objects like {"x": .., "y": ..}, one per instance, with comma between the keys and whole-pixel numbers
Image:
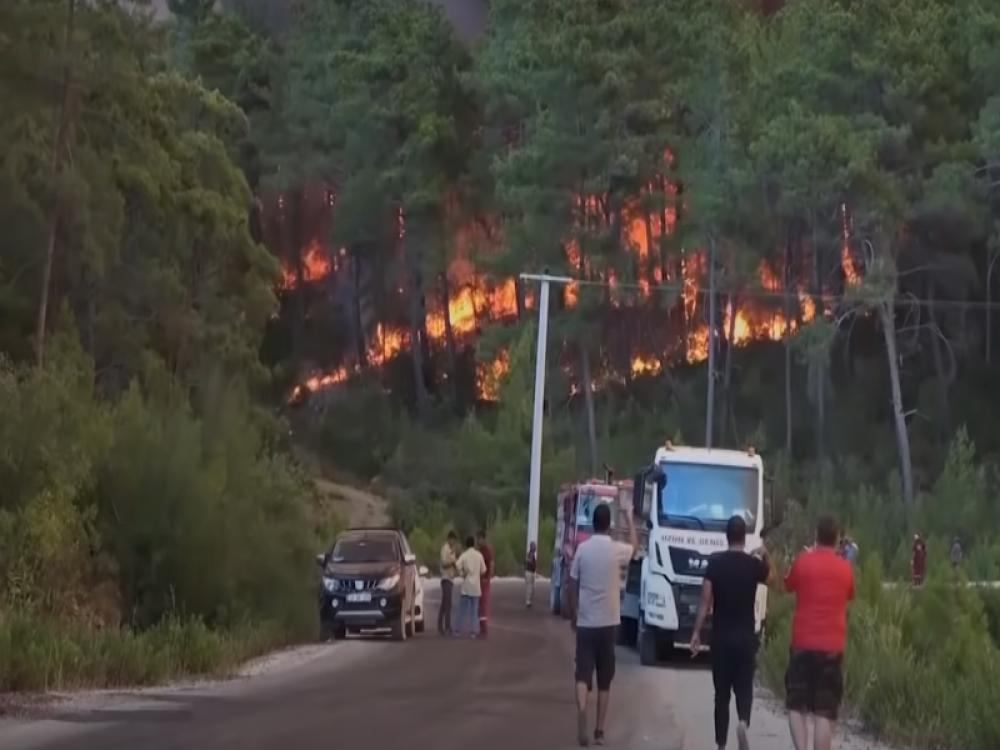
[
  {"x": 684, "y": 500},
  {"x": 574, "y": 525}
]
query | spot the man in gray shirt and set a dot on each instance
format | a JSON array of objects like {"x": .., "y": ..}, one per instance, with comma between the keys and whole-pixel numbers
[{"x": 596, "y": 608}]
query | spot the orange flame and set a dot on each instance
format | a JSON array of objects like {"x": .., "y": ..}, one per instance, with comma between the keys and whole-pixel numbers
[
  {"x": 387, "y": 344},
  {"x": 319, "y": 382},
  {"x": 646, "y": 366},
  {"x": 490, "y": 376},
  {"x": 316, "y": 266}
]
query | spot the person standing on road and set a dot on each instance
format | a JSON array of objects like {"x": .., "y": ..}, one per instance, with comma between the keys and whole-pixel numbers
[
  {"x": 918, "y": 565},
  {"x": 471, "y": 567},
  {"x": 484, "y": 603},
  {"x": 823, "y": 584},
  {"x": 595, "y": 609},
  {"x": 730, "y": 591},
  {"x": 530, "y": 568},
  {"x": 851, "y": 550},
  {"x": 449, "y": 572},
  {"x": 956, "y": 554}
]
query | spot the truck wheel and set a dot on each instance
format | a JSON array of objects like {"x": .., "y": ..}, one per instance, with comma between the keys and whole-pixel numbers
[
  {"x": 628, "y": 632},
  {"x": 648, "y": 655},
  {"x": 339, "y": 632}
]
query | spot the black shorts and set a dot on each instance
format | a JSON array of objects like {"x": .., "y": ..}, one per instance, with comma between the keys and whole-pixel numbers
[
  {"x": 814, "y": 683},
  {"x": 595, "y": 649}
]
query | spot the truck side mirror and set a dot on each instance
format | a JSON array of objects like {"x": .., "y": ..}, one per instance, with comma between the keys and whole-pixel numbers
[{"x": 321, "y": 560}]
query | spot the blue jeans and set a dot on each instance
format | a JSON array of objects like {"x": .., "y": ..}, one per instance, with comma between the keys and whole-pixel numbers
[{"x": 468, "y": 608}]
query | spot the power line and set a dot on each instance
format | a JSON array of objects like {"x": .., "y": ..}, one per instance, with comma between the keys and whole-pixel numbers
[{"x": 903, "y": 300}]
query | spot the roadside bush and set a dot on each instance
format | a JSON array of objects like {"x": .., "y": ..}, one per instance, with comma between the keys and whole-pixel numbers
[
  {"x": 920, "y": 666},
  {"x": 40, "y": 653}
]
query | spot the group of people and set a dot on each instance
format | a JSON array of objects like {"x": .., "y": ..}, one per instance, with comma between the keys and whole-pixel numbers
[
  {"x": 918, "y": 560},
  {"x": 848, "y": 549},
  {"x": 471, "y": 570},
  {"x": 822, "y": 580}
]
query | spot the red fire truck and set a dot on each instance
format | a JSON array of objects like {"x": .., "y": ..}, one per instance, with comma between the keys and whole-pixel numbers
[{"x": 575, "y": 524}]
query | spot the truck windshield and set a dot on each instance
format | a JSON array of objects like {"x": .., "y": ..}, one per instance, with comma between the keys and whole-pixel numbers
[
  {"x": 586, "y": 505},
  {"x": 704, "y": 497}
]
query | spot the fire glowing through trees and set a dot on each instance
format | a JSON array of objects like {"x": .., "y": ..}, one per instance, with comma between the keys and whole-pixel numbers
[{"x": 753, "y": 311}]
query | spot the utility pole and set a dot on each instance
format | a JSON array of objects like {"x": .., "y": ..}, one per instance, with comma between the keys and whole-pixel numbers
[
  {"x": 989, "y": 304},
  {"x": 535, "y": 480}
]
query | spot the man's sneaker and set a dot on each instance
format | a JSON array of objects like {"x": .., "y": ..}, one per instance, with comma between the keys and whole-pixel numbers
[
  {"x": 741, "y": 736},
  {"x": 581, "y": 728},
  {"x": 598, "y": 737}
]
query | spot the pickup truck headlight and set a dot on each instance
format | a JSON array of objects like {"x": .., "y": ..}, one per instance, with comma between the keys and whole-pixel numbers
[
  {"x": 388, "y": 584},
  {"x": 330, "y": 584}
]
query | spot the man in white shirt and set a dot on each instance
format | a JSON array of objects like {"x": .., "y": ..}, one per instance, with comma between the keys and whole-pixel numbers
[
  {"x": 596, "y": 607},
  {"x": 471, "y": 567}
]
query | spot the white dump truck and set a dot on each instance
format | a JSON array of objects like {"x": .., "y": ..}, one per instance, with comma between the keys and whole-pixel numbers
[{"x": 684, "y": 500}]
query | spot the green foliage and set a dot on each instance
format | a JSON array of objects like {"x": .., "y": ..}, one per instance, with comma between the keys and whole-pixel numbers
[
  {"x": 40, "y": 653},
  {"x": 919, "y": 665}
]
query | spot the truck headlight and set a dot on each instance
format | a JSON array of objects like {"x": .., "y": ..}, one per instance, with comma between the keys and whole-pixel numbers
[
  {"x": 330, "y": 584},
  {"x": 388, "y": 584}
]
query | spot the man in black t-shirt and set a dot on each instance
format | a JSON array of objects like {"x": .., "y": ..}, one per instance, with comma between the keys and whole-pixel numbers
[{"x": 730, "y": 590}]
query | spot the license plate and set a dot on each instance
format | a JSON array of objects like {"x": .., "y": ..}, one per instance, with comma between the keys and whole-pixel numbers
[{"x": 361, "y": 597}]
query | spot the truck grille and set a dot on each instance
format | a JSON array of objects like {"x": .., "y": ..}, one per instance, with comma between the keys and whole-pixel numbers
[
  {"x": 347, "y": 585},
  {"x": 688, "y": 562}
]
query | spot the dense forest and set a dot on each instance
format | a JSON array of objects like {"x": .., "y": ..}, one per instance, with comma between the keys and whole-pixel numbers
[{"x": 240, "y": 232}]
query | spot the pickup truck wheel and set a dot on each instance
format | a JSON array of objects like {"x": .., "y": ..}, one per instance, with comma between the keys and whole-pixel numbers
[
  {"x": 647, "y": 644},
  {"x": 325, "y": 631},
  {"x": 399, "y": 626},
  {"x": 411, "y": 622},
  {"x": 339, "y": 632}
]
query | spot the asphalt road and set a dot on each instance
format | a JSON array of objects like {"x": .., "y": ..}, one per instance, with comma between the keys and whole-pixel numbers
[{"x": 513, "y": 690}]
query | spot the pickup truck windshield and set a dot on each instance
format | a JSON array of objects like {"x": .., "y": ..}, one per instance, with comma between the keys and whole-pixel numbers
[
  {"x": 704, "y": 497},
  {"x": 364, "y": 550}
]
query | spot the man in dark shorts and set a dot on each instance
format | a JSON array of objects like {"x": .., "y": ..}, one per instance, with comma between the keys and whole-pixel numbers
[
  {"x": 730, "y": 590},
  {"x": 594, "y": 597},
  {"x": 823, "y": 584}
]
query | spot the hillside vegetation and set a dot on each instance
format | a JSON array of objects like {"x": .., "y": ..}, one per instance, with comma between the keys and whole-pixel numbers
[{"x": 243, "y": 229}]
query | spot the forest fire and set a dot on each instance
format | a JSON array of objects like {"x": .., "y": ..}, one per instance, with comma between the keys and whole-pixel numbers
[
  {"x": 745, "y": 315},
  {"x": 316, "y": 266}
]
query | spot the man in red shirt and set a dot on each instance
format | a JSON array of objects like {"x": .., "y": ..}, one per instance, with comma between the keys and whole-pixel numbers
[
  {"x": 484, "y": 602},
  {"x": 823, "y": 584}
]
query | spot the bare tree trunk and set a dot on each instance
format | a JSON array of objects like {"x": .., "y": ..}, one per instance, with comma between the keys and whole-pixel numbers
[
  {"x": 651, "y": 252},
  {"x": 449, "y": 335},
  {"x": 417, "y": 326},
  {"x": 887, "y": 318},
  {"x": 728, "y": 366},
  {"x": 710, "y": 397},
  {"x": 359, "y": 329},
  {"x": 822, "y": 365},
  {"x": 944, "y": 424},
  {"x": 788, "y": 347},
  {"x": 290, "y": 222},
  {"x": 519, "y": 294},
  {"x": 58, "y": 151},
  {"x": 588, "y": 398}
]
